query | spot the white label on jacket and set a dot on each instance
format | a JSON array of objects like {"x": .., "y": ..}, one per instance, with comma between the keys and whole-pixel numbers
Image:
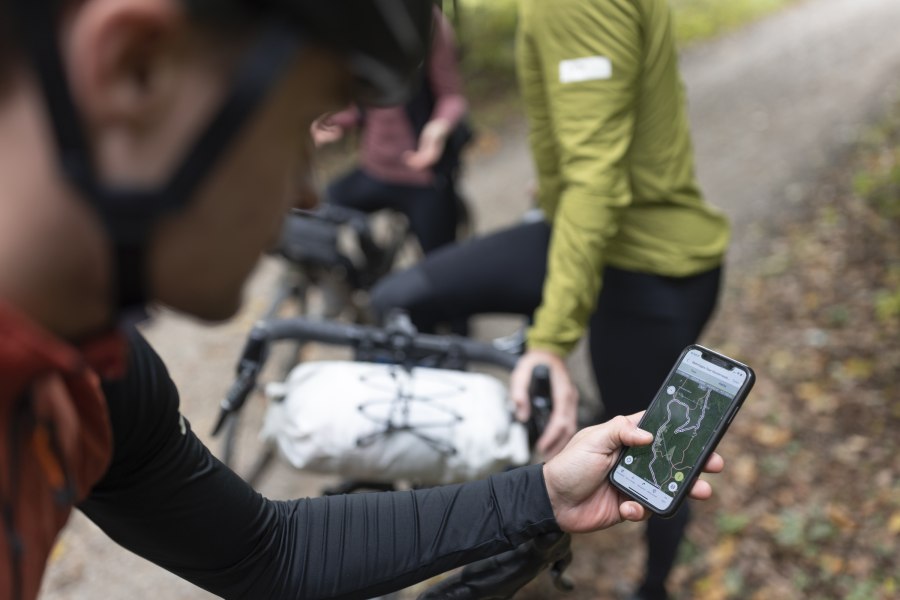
[{"x": 589, "y": 68}]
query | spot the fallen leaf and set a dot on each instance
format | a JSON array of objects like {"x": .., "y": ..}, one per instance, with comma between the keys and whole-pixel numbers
[
  {"x": 848, "y": 451},
  {"x": 862, "y": 567},
  {"x": 858, "y": 369},
  {"x": 840, "y": 517},
  {"x": 771, "y": 436},
  {"x": 817, "y": 399},
  {"x": 781, "y": 361},
  {"x": 894, "y": 523},
  {"x": 770, "y": 523},
  {"x": 722, "y": 554},
  {"x": 831, "y": 564},
  {"x": 745, "y": 471}
]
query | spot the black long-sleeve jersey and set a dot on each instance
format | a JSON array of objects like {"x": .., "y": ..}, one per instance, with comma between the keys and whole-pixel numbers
[{"x": 166, "y": 498}]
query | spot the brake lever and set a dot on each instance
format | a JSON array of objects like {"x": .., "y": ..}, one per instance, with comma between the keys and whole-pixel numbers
[
  {"x": 540, "y": 395},
  {"x": 235, "y": 398},
  {"x": 249, "y": 366}
]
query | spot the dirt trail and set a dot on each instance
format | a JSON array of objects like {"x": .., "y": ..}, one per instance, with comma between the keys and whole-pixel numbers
[{"x": 771, "y": 105}]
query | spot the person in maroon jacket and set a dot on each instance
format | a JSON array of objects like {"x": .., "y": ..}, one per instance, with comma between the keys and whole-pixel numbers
[{"x": 404, "y": 163}]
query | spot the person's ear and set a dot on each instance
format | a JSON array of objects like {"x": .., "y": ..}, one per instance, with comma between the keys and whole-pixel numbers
[{"x": 123, "y": 58}]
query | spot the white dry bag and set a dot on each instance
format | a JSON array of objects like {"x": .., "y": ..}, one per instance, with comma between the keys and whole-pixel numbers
[{"x": 383, "y": 423}]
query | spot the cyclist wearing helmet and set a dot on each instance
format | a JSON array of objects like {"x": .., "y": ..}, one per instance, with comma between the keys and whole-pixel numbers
[
  {"x": 142, "y": 143},
  {"x": 406, "y": 163}
]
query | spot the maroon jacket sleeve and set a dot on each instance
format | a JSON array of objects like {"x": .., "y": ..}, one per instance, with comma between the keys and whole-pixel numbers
[{"x": 444, "y": 74}]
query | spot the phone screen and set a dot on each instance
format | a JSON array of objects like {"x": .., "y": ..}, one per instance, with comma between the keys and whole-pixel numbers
[{"x": 690, "y": 410}]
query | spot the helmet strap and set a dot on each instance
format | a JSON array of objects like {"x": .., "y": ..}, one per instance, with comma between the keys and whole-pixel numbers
[{"x": 129, "y": 214}]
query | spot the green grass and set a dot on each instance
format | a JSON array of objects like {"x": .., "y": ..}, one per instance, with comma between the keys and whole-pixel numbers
[
  {"x": 698, "y": 20},
  {"x": 877, "y": 180},
  {"x": 486, "y": 33}
]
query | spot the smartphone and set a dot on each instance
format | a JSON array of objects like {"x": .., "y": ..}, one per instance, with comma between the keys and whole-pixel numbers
[{"x": 687, "y": 418}]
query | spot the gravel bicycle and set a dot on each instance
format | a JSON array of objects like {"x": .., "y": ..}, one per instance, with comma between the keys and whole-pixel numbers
[
  {"x": 392, "y": 365},
  {"x": 399, "y": 383}
]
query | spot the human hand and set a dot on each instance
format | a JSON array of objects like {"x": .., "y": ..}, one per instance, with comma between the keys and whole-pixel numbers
[
  {"x": 324, "y": 132},
  {"x": 563, "y": 419},
  {"x": 577, "y": 478},
  {"x": 431, "y": 145}
]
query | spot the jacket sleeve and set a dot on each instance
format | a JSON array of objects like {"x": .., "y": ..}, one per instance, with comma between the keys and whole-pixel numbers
[
  {"x": 166, "y": 498},
  {"x": 444, "y": 75},
  {"x": 579, "y": 64}
]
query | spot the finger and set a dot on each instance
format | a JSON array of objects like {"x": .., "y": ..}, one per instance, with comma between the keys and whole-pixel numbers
[
  {"x": 556, "y": 446},
  {"x": 562, "y": 426},
  {"x": 701, "y": 490},
  {"x": 553, "y": 437},
  {"x": 427, "y": 157},
  {"x": 626, "y": 433},
  {"x": 547, "y": 440},
  {"x": 323, "y": 137},
  {"x": 636, "y": 437},
  {"x": 409, "y": 157},
  {"x": 418, "y": 161},
  {"x": 523, "y": 410},
  {"x": 412, "y": 162},
  {"x": 636, "y": 417},
  {"x": 632, "y": 511},
  {"x": 715, "y": 464}
]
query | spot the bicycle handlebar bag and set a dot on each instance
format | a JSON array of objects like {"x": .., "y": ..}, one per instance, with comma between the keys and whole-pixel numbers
[{"x": 383, "y": 423}]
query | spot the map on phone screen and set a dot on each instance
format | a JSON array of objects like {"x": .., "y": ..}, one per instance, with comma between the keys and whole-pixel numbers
[
  {"x": 692, "y": 410},
  {"x": 684, "y": 419}
]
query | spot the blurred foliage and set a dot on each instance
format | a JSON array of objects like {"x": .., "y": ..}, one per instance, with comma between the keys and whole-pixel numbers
[
  {"x": 878, "y": 178},
  {"x": 697, "y": 20},
  {"x": 486, "y": 34},
  {"x": 486, "y": 31},
  {"x": 877, "y": 182}
]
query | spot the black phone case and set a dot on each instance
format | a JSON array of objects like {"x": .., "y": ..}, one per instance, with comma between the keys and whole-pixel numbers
[{"x": 721, "y": 428}]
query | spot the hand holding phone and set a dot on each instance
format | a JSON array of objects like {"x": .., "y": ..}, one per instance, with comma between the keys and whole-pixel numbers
[
  {"x": 687, "y": 418},
  {"x": 580, "y": 492}
]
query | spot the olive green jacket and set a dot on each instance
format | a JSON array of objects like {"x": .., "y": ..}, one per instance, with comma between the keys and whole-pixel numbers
[{"x": 611, "y": 142}]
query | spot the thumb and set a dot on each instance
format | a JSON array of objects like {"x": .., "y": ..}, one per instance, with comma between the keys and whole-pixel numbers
[{"x": 629, "y": 434}]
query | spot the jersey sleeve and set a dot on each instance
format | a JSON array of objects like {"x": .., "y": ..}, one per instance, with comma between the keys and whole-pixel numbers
[
  {"x": 167, "y": 499},
  {"x": 579, "y": 65},
  {"x": 444, "y": 75}
]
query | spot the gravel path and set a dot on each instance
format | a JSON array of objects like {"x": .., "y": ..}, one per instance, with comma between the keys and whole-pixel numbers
[{"x": 771, "y": 106}]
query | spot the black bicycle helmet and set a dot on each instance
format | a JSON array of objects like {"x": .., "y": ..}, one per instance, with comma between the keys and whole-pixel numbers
[{"x": 384, "y": 43}]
